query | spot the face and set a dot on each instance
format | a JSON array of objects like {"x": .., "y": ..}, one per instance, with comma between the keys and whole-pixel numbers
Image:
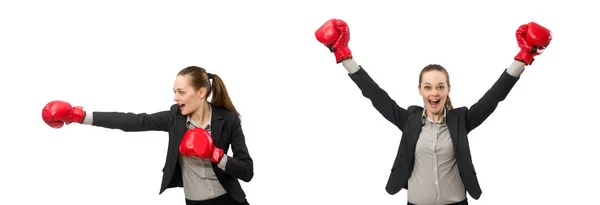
[
  {"x": 188, "y": 99},
  {"x": 434, "y": 89}
]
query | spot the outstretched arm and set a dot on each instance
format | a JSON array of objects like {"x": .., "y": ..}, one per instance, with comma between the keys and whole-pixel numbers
[
  {"x": 59, "y": 113},
  {"x": 129, "y": 122}
]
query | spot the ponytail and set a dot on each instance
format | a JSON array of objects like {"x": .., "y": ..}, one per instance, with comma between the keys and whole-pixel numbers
[
  {"x": 448, "y": 103},
  {"x": 220, "y": 96}
]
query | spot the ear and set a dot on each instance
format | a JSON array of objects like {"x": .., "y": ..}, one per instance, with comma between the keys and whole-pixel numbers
[
  {"x": 448, "y": 88},
  {"x": 201, "y": 92},
  {"x": 419, "y": 88}
]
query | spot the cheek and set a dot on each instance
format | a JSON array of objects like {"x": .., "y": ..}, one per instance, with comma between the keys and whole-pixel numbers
[
  {"x": 185, "y": 98},
  {"x": 445, "y": 93},
  {"x": 425, "y": 97},
  {"x": 190, "y": 98},
  {"x": 425, "y": 93}
]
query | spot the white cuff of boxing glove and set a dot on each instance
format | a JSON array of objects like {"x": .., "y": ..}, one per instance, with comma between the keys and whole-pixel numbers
[
  {"x": 351, "y": 65},
  {"x": 88, "y": 119},
  {"x": 223, "y": 162},
  {"x": 516, "y": 68}
]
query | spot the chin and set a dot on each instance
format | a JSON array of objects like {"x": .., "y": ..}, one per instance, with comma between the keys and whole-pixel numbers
[
  {"x": 437, "y": 110},
  {"x": 184, "y": 111}
]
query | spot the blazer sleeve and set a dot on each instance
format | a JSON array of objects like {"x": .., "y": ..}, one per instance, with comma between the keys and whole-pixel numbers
[
  {"x": 134, "y": 122},
  {"x": 486, "y": 105},
  {"x": 240, "y": 165},
  {"x": 380, "y": 98}
]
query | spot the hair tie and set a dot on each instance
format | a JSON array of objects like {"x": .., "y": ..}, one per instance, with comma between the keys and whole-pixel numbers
[{"x": 210, "y": 75}]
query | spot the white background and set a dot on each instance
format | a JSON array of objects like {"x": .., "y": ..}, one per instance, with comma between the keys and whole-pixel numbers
[{"x": 313, "y": 137}]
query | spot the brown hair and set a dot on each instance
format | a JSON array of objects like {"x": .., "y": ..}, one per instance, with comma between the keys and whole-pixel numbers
[
  {"x": 436, "y": 67},
  {"x": 201, "y": 79}
]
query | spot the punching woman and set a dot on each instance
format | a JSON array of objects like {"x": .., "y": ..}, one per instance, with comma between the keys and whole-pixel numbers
[{"x": 200, "y": 134}]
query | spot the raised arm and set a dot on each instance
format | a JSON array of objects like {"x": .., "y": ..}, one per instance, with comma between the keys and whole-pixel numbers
[
  {"x": 58, "y": 113},
  {"x": 335, "y": 35},
  {"x": 532, "y": 40},
  {"x": 379, "y": 98},
  {"x": 487, "y": 104}
]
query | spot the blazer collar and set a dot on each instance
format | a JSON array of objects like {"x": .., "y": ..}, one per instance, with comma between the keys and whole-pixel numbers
[
  {"x": 424, "y": 116},
  {"x": 450, "y": 118},
  {"x": 207, "y": 128}
]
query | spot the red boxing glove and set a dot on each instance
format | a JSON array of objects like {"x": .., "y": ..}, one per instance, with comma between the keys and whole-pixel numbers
[
  {"x": 58, "y": 113},
  {"x": 335, "y": 35},
  {"x": 198, "y": 143},
  {"x": 532, "y": 39}
]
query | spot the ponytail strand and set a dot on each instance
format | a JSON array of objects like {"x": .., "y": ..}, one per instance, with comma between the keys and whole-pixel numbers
[{"x": 220, "y": 96}]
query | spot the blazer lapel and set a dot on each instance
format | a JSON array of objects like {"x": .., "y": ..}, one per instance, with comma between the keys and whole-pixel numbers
[
  {"x": 216, "y": 125},
  {"x": 452, "y": 122},
  {"x": 180, "y": 128},
  {"x": 415, "y": 130}
]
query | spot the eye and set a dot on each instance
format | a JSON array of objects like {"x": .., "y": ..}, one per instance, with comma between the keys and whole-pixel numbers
[
  {"x": 427, "y": 87},
  {"x": 441, "y": 87}
]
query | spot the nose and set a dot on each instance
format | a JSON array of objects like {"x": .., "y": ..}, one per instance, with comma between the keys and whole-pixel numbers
[{"x": 175, "y": 98}]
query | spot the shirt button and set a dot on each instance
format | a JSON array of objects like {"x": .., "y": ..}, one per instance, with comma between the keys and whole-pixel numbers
[
  {"x": 434, "y": 168},
  {"x": 436, "y": 182}
]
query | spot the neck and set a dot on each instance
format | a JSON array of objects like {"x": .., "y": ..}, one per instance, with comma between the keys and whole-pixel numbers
[
  {"x": 435, "y": 117},
  {"x": 202, "y": 114}
]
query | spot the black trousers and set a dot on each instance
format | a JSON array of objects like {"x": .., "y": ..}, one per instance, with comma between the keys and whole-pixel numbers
[
  {"x": 224, "y": 199},
  {"x": 464, "y": 202}
]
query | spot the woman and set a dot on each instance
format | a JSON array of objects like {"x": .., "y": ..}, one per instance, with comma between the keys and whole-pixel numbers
[
  {"x": 207, "y": 175},
  {"x": 434, "y": 161}
]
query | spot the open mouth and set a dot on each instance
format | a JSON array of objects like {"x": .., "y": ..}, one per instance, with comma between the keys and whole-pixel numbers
[
  {"x": 434, "y": 103},
  {"x": 181, "y": 106}
]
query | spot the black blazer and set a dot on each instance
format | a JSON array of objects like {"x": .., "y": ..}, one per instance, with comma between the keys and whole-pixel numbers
[
  {"x": 225, "y": 128},
  {"x": 460, "y": 122}
]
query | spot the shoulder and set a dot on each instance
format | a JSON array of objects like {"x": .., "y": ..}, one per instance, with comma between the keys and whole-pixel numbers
[
  {"x": 415, "y": 109},
  {"x": 227, "y": 114},
  {"x": 459, "y": 111},
  {"x": 174, "y": 109},
  {"x": 462, "y": 109}
]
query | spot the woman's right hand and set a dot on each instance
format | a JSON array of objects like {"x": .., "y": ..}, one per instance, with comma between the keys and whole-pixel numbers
[
  {"x": 335, "y": 35},
  {"x": 58, "y": 113}
]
